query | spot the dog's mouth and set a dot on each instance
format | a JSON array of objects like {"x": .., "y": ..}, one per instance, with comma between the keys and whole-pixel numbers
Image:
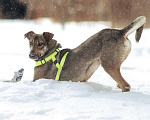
[
  {"x": 38, "y": 56},
  {"x": 35, "y": 57}
]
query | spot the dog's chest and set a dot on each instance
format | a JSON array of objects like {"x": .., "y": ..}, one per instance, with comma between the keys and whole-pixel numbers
[{"x": 47, "y": 71}]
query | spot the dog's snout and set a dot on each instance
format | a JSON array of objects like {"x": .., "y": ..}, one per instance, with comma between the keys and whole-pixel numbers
[{"x": 32, "y": 54}]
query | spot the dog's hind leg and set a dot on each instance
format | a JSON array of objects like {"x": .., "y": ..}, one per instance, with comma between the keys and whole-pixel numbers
[
  {"x": 116, "y": 75},
  {"x": 112, "y": 66}
]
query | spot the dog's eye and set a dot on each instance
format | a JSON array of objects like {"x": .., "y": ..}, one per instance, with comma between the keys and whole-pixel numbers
[{"x": 40, "y": 43}]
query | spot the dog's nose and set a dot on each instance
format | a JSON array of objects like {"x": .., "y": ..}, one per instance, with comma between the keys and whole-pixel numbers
[{"x": 32, "y": 54}]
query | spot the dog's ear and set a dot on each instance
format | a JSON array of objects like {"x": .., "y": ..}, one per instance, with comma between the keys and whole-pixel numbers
[
  {"x": 29, "y": 34},
  {"x": 48, "y": 36}
]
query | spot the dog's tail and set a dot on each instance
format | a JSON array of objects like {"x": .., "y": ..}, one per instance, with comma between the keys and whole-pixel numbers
[{"x": 137, "y": 25}]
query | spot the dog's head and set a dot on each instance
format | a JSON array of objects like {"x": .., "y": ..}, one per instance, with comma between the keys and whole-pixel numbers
[{"x": 41, "y": 44}]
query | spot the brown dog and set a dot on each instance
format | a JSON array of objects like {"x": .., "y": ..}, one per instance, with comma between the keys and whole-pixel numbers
[{"x": 109, "y": 47}]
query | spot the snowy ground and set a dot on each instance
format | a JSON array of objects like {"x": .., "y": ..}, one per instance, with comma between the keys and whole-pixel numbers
[{"x": 97, "y": 99}]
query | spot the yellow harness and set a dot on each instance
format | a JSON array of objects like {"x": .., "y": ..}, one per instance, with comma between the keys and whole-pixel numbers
[{"x": 53, "y": 58}]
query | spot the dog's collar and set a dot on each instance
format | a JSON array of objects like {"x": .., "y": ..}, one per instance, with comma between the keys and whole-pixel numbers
[{"x": 53, "y": 58}]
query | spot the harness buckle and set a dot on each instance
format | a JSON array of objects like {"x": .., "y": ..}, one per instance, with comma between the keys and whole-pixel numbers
[{"x": 43, "y": 61}]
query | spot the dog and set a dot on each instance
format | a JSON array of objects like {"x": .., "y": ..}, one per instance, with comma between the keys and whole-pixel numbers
[{"x": 108, "y": 48}]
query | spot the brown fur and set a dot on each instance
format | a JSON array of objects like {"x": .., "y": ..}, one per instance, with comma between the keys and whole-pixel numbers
[{"x": 109, "y": 47}]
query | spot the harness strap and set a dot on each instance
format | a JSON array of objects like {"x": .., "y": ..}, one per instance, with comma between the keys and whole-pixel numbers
[
  {"x": 60, "y": 66},
  {"x": 53, "y": 58}
]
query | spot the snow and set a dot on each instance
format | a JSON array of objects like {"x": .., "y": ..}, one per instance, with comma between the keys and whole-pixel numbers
[{"x": 97, "y": 99}]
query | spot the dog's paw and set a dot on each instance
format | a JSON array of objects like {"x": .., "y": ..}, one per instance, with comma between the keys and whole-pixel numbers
[{"x": 126, "y": 89}]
